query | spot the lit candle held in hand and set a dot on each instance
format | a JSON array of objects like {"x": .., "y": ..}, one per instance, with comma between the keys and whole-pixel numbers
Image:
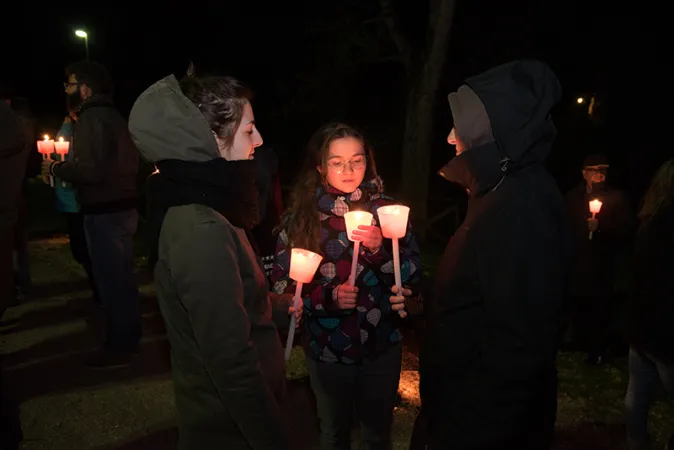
[
  {"x": 595, "y": 208},
  {"x": 393, "y": 220},
  {"x": 303, "y": 266},
  {"x": 46, "y": 148},
  {"x": 62, "y": 148},
  {"x": 354, "y": 219}
]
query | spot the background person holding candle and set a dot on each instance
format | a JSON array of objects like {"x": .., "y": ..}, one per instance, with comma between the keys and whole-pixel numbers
[
  {"x": 66, "y": 203},
  {"x": 495, "y": 319},
  {"x": 104, "y": 169},
  {"x": 353, "y": 349},
  {"x": 228, "y": 368},
  {"x": 592, "y": 285}
]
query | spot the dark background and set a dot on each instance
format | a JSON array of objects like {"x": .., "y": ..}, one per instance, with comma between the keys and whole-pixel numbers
[{"x": 310, "y": 62}]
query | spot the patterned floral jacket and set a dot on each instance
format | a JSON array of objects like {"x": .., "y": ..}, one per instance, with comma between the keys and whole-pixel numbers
[{"x": 347, "y": 336}]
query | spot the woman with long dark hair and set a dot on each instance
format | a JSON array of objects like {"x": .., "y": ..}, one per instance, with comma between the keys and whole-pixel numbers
[
  {"x": 354, "y": 349},
  {"x": 651, "y": 308},
  {"x": 227, "y": 360}
]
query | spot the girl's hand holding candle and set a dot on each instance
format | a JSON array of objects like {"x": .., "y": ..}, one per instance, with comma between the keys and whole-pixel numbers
[
  {"x": 393, "y": 221},
  {"x": 369, "y": 236},
  {"x": 398, "y": 302}
]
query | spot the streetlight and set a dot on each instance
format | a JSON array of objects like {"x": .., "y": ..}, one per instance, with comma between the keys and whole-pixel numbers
[
  {"x": 580, "y": 100},
  {"x": 83, "y": 34}
]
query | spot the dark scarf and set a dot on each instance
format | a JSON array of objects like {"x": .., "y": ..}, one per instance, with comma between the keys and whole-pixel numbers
[
  {"x": 367, "y": 191},
  {"x": 226, "y": 186}
]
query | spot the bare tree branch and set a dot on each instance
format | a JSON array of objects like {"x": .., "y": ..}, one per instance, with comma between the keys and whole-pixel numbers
[{"x": 403, "y": 45}]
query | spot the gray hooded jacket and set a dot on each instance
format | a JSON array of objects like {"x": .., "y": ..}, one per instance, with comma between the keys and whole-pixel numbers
[{"x": 227, "y": 359}]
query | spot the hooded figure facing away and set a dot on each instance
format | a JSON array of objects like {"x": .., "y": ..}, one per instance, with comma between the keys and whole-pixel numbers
[
  {"x": 488, "y": 375},
  {"x": 228, "y": 369}
]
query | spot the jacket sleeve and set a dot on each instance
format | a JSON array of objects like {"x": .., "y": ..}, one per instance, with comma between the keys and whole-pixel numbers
[
  {"x": 317, "y": 296},
  {"x": 90, "y": 145},
  {"x": 206, "y": 272}
]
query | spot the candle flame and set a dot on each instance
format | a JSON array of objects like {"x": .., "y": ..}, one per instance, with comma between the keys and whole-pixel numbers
[
  {"x": 46, "y": 137},
  {"x": 61, "y": 139}
]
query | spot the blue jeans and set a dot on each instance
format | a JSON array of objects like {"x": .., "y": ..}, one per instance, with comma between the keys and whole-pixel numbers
[
  {"x": 644, "y": 373},
  {"x": 110, "y": 241}
]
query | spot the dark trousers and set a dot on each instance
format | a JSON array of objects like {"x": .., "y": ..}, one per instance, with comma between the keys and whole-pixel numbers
[
  {"x": 592, "y": 318},
  {"x": 79, "y": 248},
  {"x": 110, "y": 241},
  {"x": 468, "y": 422},
  {"x": 22, "y": 257},
  {"x": 365, "y": 392}
]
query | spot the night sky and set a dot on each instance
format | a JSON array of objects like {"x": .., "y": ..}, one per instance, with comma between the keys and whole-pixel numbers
[{"x": 296, "y": 58}]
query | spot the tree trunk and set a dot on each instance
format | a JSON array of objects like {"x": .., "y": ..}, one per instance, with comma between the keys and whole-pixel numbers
[{"x": 419, "y": 117}]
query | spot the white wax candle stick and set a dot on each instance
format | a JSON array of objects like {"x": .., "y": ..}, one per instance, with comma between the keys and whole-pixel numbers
[
  {"x": 593, "y": 217},
  {"x": 354, "y": 263},
  {"x": 396, "y": 270},
  {"x": 293, "y": 321}
]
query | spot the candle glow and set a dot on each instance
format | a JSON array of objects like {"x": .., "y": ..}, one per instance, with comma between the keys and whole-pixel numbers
[
  {"x": 393, "y": 220},
  {"x": 595, "y": 206},
  {"x": 303, "y": 265},
  {"x": 354, "y": 219}
]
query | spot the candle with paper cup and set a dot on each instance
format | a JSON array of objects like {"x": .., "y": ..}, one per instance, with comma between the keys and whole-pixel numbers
[
  {"x": 353, "y": 220},
  {"x": 303, "y": 266},
  {"x": 46, "y": 149},
  {"x": 595, "y": 208},
  {"x": 393, "y": 220},
  {"x": 62, "y": 148}
]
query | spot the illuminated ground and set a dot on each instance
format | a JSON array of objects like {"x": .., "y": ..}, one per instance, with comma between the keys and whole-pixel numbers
[{"x": 66, "y": 406}]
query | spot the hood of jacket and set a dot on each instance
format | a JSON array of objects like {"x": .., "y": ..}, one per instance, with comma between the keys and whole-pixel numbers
[
  {"x": 165, "y": 124},
  {"x": 503, "y": 118}
]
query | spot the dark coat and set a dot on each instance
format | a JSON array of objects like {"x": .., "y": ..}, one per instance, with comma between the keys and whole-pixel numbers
[
  {"x": 495, "y": 316},
  {"x": 104, "y": 162}
]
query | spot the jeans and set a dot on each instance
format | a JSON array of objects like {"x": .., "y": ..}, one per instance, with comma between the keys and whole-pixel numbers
[
  {"x": 110, "y": 240},
  {"x": 366, "y": 392},
  {"x": 644, "y": 372},
  {"x": 79, "y": 247}
]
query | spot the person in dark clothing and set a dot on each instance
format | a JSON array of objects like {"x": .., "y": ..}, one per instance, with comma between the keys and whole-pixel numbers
[
  {"x": 13, "y": 159},
  {"x": 21, "y": 256},
  {"x": 104, "y": 168},
  {"x": 67, "y": 204},
  {"x": 228, "y": 368},
  {"x": 651, "y": 308},
  {"x": 592, "y": 280},
  {"x": 495, "y": 317}
]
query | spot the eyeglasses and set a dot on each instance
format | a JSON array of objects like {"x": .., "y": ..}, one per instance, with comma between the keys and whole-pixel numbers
[{"x": 358, "y": 162}]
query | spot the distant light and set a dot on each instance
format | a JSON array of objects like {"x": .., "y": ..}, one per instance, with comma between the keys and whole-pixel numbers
[
  {"x": 81, "y": 33},
  {"x": 580, "y": 100}
]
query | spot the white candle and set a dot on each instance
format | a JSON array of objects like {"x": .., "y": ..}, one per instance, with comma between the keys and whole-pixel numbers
[
  {"x": 303, "y": 266},
  {"x": 353, "y": 220},
  {"x": 62, "y": 148},
  {"x": 393, "y": 220},
  {"x": 46, "y": 148},
  {"x": 595, "y": 208}
]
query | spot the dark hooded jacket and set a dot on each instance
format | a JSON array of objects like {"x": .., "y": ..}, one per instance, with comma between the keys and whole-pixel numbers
[{"x": 495, "y": 316}]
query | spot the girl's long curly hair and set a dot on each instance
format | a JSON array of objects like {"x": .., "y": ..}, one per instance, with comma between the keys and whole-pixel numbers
[
  {"x": 660, "y": 193},
  {"x": 301, "y": 219}
]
